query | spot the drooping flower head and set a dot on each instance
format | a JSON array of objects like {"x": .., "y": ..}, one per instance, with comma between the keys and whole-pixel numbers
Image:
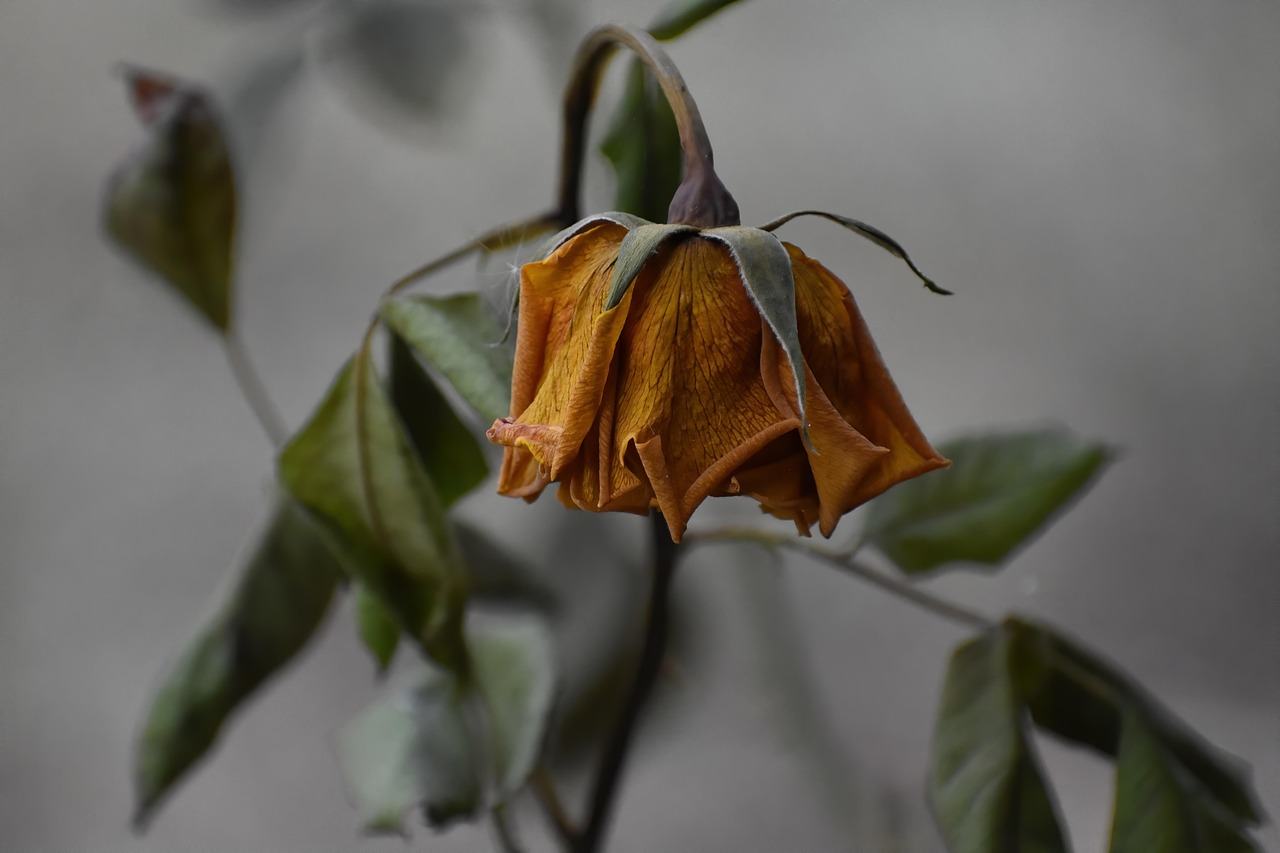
[{"x": 658, "y": 365}]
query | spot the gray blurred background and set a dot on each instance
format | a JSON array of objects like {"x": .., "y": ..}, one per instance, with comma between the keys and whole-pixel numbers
[{"x": 1099, "y": 182}]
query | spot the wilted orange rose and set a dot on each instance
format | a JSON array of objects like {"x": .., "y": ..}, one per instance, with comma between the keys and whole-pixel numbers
[{"x": 680, "y": 386}]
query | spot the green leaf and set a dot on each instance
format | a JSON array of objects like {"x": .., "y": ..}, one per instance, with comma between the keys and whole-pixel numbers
[
  {"x": 1078, "y": 696},
  {"x": 458, "y": 336},
  {"x": 640, "y": 244},
  {"x": 985, "y": 781},
  {"x": 1000, "y": 490},
  {"x": 766, "y": 273},
  {"x": 422, "y": 747},
  {"x": 377, "y": 627},
  {"x": 353, "y": 466},
  {"x": 412, "y": 748},
  {"x": 643, "y": 146},
  {"x": 515, "y": 673},
  {"x": 678, "y": 16},
  {"x": 448, "y": 448},
  {"x": 172, "y": 204},
  {"x": 1160, "y": 807},
  {"x": 276, "y": 606},
  {"x": 872, "y": 233}
]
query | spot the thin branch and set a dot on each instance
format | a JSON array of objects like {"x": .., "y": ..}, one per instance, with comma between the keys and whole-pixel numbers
[
  {"x": 544, "y": 788},
  {"x": 844, "y": 561},
  {"x": 617, "y": 750},
  {"x": 507, "y": 841},
  {"x": 252, "y": 388}
]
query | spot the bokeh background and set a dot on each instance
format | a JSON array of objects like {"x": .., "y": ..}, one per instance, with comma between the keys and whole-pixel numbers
[{"x": 1099, "y": 182}]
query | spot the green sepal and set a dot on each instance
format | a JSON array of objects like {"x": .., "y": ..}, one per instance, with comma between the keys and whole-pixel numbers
[
  {"x": 628, "y": 221},
  {"x": 640, "y": 244},
  {"x": 766, "y": 272}
]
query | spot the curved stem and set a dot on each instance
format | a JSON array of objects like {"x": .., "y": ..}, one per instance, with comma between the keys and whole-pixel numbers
[
  {"x": 844, "y": 561},
  {"x": 254, "y": 391},
  {"x": 584, "y": 81},
  {"x": 618, "y": 748}
]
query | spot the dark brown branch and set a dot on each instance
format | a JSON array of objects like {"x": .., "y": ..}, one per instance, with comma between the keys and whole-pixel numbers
[{"x": 617, "y": 750}]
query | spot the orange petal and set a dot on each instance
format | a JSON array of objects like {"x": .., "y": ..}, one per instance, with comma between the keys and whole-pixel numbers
[
  {"x": 692, "y": 406},
  {"x": 563, "y": 351},
  {"x": 842, "y": 458},
  {"x": 848, "y": 368}
]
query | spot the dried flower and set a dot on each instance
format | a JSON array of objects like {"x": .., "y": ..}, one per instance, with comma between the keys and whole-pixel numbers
[{"x": 658, "y": 365}]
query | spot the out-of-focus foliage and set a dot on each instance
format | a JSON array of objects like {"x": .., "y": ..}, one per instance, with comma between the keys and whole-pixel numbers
[
  {"x": 1174, "y": 791},
  {"x": 276, "y": 605},
  {"x": 451, "y": 744},
  {"x": 448, "y": 448},
  {"x": 1000, "y": 490},
  {"x": 354, "y": 467},
  {"x": 459, "y": 337},
  {"x": 172, "y": 205}
]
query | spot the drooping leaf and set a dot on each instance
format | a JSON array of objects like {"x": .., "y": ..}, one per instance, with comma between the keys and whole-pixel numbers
[
  {"x": 678, "y": 16},
  {"x": 985, "y": 782},
  {"x": 422, "y": 746},
  {"x": 412, "y": 748},
  {"x": 766, "y": 272},
  {"x": 1160, "y": 808},
  {"x": 1000, "y": 490},
  {"x": 637, "y": 248},
  {"x": 354, "y": 467},
  {"x": 458, "y": 336},
  {"x": 377, "y": 627},
  {"x": 643, "y": 146},
  {"x": 515, "y": 672},
  {"x": 276, "y": 606},
  {"x": 172, "y": 204},
  {"x": 1078, "y": 696},
  {"x": 872, "y": 233},
  {"x": 448, "y": 448}
]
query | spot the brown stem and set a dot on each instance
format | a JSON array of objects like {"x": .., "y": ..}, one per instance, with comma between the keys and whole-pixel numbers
[
  {"x": 618, "y": 748},
  {"x": 701, "y": 199}
]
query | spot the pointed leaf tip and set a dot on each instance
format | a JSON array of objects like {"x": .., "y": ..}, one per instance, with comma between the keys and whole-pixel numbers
[
  {"x": 640, "y": 244},
  {"x": 870, "y": 232},
  {"x": 171, "y": 205}
]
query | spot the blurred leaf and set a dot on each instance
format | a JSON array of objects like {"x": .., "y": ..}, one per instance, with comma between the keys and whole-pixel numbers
[
  {"x": 678, "y": 16},
  {"x": 447, "y": 447},
  {"x": 278, "y": 603},
  {"x": 1160, "y": 808},
  {"x": 401, "y": 55},
  {"x": 377, "y": 626},
  {"x": 353, "y": 466},
  {"x": 458, "y": 336},
  {"x": 515, "y": 672},
  {"x": 985, "y": 781},
  {"x": 172, "y": 204},
  {"x": 643, "y": 146},
  {"x": 418, "y": 747},
  {"x": 1084, "y": 699},
  {"x": 1000, "y": 490},
  {"x": 412, "y": 748}
]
